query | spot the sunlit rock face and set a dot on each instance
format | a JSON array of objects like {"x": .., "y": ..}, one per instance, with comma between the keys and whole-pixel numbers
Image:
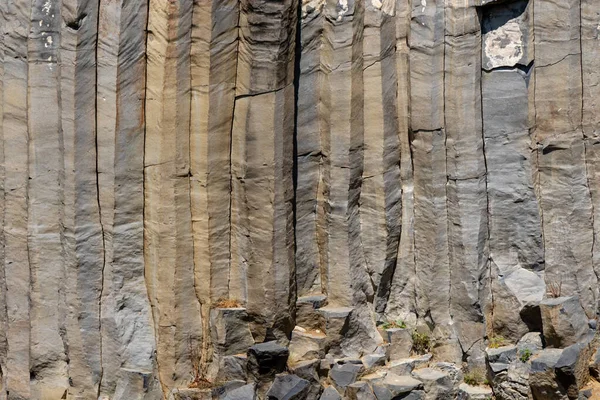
[{"x": 195, "y": 193}]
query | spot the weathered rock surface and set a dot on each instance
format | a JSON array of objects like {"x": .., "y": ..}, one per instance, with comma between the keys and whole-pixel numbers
[{"x": 180, "y": 180}]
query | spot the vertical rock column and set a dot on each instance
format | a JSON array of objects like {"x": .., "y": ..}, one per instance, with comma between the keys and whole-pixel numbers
[
  {"x": 426, "y": 42},
  {"x": 466, "y": 169},
  {"x": 590, "y": 36},
  {"x": 168, "y": 248},
  {"x": 16, "y": 262},
  {"x": 84, "y": 247},
  {"x": 380, "y": 205},
  {"x": 48, "y": 363},
  {"x": 3, "y": 288},
  {"x": 516, "y": 259},
  {"x": 262, "y": 241},
  {"x": 312, "y": 156},
  {"x": 128, "y": 360},
  {"x": 213, "y": 75},
  {"x": 401, "y": 301},
  {"x": 214, "y": 67},
  {"x": 565, "y": 196},
  {"x": 343, "y": 62}
]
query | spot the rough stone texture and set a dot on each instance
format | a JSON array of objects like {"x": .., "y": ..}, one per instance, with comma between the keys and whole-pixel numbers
[
  {"x": 182, "y": 179},
  {"x": 564, "y": 321}
]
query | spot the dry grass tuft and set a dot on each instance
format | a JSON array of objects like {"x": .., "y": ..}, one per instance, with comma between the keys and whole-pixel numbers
[
  {"x": 554, "y": 288},
  {"x": 227, "y": 303}
]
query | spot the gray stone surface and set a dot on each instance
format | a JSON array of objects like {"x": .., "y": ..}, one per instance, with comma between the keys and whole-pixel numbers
[
  {"x": 266, "y": 359},
  {"x": 182, "y": 179},
  {"x": 288, "y": 387},
  {"x": 564, "y": 321}
]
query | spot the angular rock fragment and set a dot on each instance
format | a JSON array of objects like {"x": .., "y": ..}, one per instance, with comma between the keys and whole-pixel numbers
[
  {"x": 564, "y": 321},
  {"x": 343, "y": 375},
  {"x": 468, "y": 392},
  {"x": 401, "y": 343},
  {"x": 573, "y": 367},
  {"x": 437, "y": 384},
  {"x": 230, "y": 333},
  {"x": 330, "y": 394},
  {"x": 266, "y": 359},
  {"x": 288, "y": 387},
  {"x": 360, "y": 391},
  {"x": 542, "y": 378}
]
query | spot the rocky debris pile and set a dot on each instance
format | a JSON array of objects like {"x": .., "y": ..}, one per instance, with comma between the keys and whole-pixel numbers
[
  {"x": 555, "y": 364},
  {"x": 319, "y": 363}
]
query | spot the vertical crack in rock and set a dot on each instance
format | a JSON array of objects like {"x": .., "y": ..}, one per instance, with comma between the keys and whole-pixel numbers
[{"x": 103, "y": 261}]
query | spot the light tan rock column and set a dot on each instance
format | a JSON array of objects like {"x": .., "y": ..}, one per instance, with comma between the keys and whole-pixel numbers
[
  {"x": 214, "y": 64},
  {"x": 84, "y": 247},
  {"x": 16, "y": 263},
  {"x": 128, "y": 361},
  {"x": 566, "y": 204},
  {"x": 48, "y": 349},
  {"x": 168, "y": 247},
  {"x": 213, "y": 76},
  {"x": 380, "y": 197},
  {"x": 262, "y": 241},
  {"x": 401, "y": 302}
]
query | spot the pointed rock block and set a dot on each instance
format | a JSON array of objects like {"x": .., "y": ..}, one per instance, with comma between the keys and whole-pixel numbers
[
  {"x": 190, "y": 394},
  {"x": 394, "y": 386},
  {"x": 374, "y": 360},
  {"x": 308, "y": 370},
  {"x": 360, "y": 391},
  {"x": 267, "y": 359},
  {"x": 437, "y": 384},
  {"x": 244, "y": 392},
  {"x": 468, "y": 392},
  {"x": 229, "y": 330},
  {"x": 564, "y": 321},
  {"x": 224, "y": 391},
  {"x": 307, "y": 314},
  {"x": 375, "y": 377},
  {"x": 573, "y": 367},
  {"x": 531, "y": 341},
  {"x": 288, "y": 387},
  {"x": 400, "y": 343},
  {"x": 499, "y": 359},
  {"x": 306, "y": 345},
  {"x": 330, "y": 394},
  {"x": 336, "y": 325},
  {"x": 232, "y": 368},
  {"x": 452, "y": 370},
  {"x": 542, "y": 378},
  {"x": 343, "y": 375},
  {"x": 406, "y": 366}
]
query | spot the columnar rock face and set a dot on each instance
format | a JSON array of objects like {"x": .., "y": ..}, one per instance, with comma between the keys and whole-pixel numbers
[{"x": 183, "y": 180}]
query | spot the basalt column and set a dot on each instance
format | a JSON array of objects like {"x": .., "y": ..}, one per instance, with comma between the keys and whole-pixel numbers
[
  {"x": 168, "y": 247},
  {"x": 262, "y": 236}
]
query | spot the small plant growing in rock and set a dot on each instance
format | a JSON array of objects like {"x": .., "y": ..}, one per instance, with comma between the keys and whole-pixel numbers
[
  {"x": 554, "y": 288},
  {"x": 476, "y": 377},
  {"x": 525, "y": 355},
  {"x": 421, "y": 342},
  {"x": 394, "y": 324},
  {"x": 227, "y": 303},
  {"x": 199, "y": 382},
  {"x": 497, "y": 341}
]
